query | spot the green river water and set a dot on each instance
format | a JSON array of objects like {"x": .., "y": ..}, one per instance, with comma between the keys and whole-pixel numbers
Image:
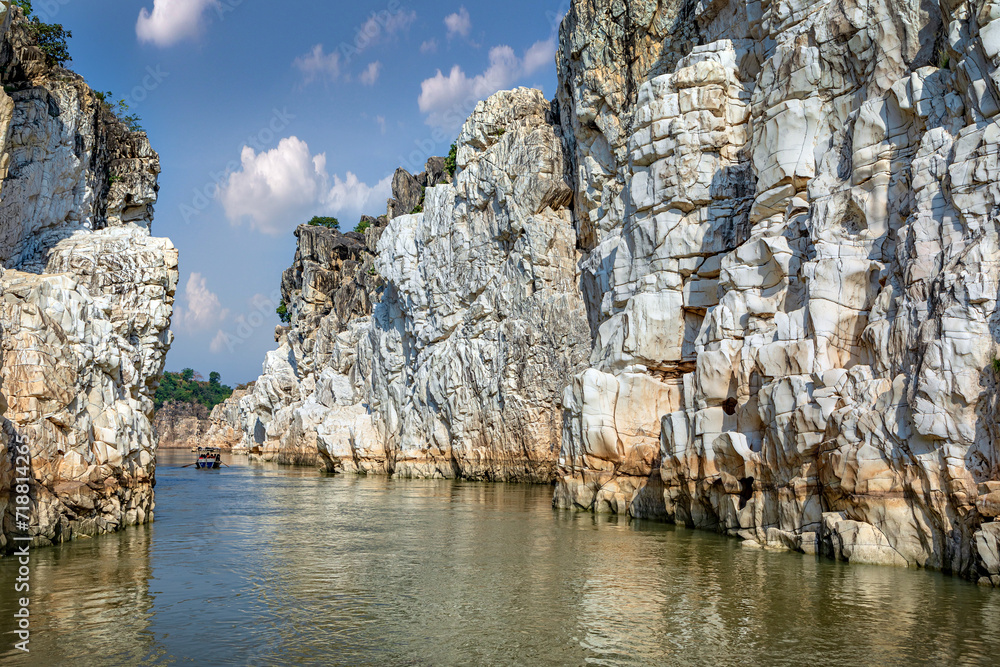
[{"x": 266, "y": 565}]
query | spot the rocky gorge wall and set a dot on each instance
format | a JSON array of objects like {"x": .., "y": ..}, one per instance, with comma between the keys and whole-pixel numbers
[
  {"x": 809, "y": 186},
  {"x": 742, "y": 273},
  {"x": 436, "y": 344},
  {"x": 86, "y": 298}
]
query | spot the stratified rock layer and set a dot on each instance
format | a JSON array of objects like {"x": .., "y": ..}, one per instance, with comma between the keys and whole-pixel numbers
[
  {"x": 780, "y": 233},
  {"x": 86, "y": 297}
]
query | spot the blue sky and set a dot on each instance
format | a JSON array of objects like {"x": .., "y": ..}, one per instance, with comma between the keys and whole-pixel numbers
[{"x": 265, "y": 114}]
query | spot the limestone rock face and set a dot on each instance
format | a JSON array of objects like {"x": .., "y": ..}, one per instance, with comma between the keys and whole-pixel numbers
[
  {"x": 482, "y": 314},
  {"x": 86, "y": 297},
  {"x": 66, "y": 163},
  {"x": 439, "y": 345},
  {"x": 223, "y": 431},
  {"x": 793, "y": 275}
]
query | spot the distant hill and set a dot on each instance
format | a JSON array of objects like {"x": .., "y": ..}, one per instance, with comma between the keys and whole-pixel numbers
[{"x": 189, "y": 386}]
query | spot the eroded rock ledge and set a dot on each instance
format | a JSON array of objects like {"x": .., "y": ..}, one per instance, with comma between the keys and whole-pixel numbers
[
  {"x": 744, "y": 271},
  {"x": 86, "y": 297}
]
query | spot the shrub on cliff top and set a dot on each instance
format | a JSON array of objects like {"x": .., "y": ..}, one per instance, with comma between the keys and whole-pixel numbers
[
  {"x": 324, "y": 221},
  {"x": 283, "y": 314},
  {"x": 51, "y": 38},
  {"x": 120, "y": 109},
  {"x": 363, "y": 226}
]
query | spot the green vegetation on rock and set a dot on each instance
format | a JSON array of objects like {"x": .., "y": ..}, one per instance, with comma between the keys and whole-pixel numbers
[
  {"x": 190, "y": 387},
  {"x": 50, "y": 38},
  {"x": 283, "y": 313},
  {"x": 451, "y": 162},
  {"x": 120, "y": 109},
  {"x": 363, "y": 226},
  {"x": 324, "y": 221}
]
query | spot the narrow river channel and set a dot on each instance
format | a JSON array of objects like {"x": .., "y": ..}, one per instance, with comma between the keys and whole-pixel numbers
[{"x": 261, "y": 565}]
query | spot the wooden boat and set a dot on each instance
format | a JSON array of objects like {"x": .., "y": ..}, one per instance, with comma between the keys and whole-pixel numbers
[{"x": 209, "y": 458}]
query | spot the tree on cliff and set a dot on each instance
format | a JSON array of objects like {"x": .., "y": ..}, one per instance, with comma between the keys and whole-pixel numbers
[
  {"x": 324, "y": 221},
  {"x": 50, "y": 38},
  {"x": 214, "y": 378}
]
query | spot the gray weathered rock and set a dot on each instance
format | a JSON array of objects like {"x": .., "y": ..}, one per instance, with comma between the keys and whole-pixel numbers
[
  {"x": 85, "y": 300},
  {"x": 407, "y": 193},
  {"x": 181, "y": 425}
]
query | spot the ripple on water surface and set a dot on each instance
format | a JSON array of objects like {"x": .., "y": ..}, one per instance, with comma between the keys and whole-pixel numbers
[{"x": 261, "y": 565}]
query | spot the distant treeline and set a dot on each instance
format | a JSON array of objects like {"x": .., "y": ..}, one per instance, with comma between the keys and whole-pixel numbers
[{"x": 189, "y": 386}]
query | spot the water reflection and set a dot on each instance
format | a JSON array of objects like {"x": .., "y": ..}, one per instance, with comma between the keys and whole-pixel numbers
[
  {"x": 274, "y": 566},
  {"x": 87, "y": 599}
]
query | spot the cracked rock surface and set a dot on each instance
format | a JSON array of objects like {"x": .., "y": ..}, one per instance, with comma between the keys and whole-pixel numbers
[
  {"x": 86, "y": 297},
  {"x": 793, "y": 280},
  {"x": 437, "y": 345}
]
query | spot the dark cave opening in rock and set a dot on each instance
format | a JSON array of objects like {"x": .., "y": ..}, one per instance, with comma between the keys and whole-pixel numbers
[{"x": 746, "y": 490}]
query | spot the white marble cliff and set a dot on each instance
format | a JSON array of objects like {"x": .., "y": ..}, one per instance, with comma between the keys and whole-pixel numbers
[
  {"x": 86, "y": 297},
  {"x": 741, "y": 275}
]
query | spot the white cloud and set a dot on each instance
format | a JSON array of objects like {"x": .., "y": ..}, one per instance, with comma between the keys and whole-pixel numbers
[
  {"x": 541, "y": 54},
  {"x": 351, "y": 195},
  {"x": 458, "y": 23},
  {"x": 319, "y": 65},
  {"x": 370, "y": 74},
  {"x": 275, "y": 189},
  {"x": 278, "y": 189},
  {"x": 202, "y": 309},
  {"x": 430, "y": 46},
  {"x": 381, "y": 123},
  {"x": 172, "y": 20},
  {"x": 449, "y": 99}
]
